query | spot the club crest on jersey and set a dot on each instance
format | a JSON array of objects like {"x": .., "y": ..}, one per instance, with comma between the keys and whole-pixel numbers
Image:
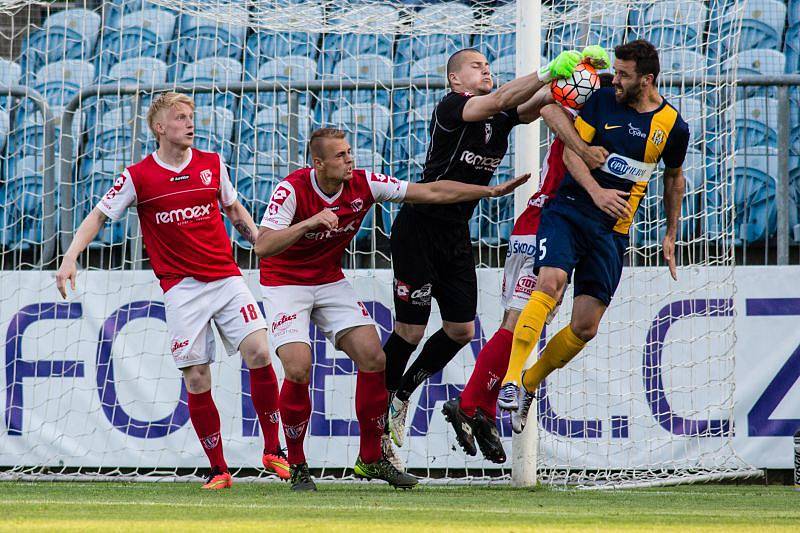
[
  {"x": 488, "y": 131},
  {"x": 357, "y": 205},
  {"x": 658, "y": 137},
  {"x": 205, "y": 176}
]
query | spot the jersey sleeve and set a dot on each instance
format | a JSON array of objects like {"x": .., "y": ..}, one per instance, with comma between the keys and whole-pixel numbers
[
  {"x": 588, "y": 120},
  {"x": 227, "y": 192},
  {"x": 386, "y": 188},
  {"x": 677, "y": 144},
  {"x": 119, "y": 197},
  {"x": 450, "y": 111},
  {"x": 282, "y": 207}
]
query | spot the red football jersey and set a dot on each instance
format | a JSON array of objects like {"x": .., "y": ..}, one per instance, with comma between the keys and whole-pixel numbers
[
  {"x": 553, "y": 170},
  {"x": 179, "y": 215},
  {"x": 316, "y": 258}
]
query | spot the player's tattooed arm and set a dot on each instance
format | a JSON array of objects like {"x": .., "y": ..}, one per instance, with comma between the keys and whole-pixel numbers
[
  {"x": 562, "y": 124},
  {"x": 674, "y": 186},
  {"x": 613, "y": 202},
  {"x": 241, "y": 220}
]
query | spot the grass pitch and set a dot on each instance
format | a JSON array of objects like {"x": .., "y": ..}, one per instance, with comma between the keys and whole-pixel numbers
[{"x": 372, "y": 507}]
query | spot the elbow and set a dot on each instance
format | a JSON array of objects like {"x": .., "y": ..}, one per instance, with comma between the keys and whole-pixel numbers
[{"x": 261, "y": 249}]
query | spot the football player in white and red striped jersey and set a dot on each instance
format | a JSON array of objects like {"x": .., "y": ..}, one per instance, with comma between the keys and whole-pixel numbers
[
  {"x": 177, "y": 191},
  {"x": 312, "y": 216}
]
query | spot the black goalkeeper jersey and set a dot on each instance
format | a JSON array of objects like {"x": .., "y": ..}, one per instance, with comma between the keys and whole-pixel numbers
[{"x": 468, "y": 152}]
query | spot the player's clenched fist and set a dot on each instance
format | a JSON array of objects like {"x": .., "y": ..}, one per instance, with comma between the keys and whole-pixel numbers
[
  {"x": 596, "y": 56},
  {"x": 67, "y": 271},
  {"x": 561, "y": 67},
  {"x": 325, "y": 218}
]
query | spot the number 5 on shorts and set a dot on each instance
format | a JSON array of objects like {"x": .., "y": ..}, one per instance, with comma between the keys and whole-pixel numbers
[{"x": 542, "y": 249}]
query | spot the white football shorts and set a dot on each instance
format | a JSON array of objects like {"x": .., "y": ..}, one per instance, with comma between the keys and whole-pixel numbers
[
  {"x": 192, "y": 305},
  {"x": 334, "y": 308},
  {"x": 518, "y": 277}
]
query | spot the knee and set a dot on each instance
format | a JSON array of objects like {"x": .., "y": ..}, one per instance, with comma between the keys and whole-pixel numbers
[
  {"x": 372, "y": 362},
  {"x": 585, "y": 331},
  {"x": 551, "y": 282},
  {"x": 257, "y": 358},
  {"x": 411, "y": 333},
  {"x": 197, "y": 379},
  {"x": 299, "y": 372},
  {"x": 460, "y": 333}
]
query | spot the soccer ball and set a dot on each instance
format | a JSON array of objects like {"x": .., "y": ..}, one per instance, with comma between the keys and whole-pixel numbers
[{"x": 575, "y": 90}]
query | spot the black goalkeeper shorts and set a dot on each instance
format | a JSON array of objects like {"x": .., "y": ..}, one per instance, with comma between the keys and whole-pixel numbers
[{"x": 432, "y": 258}]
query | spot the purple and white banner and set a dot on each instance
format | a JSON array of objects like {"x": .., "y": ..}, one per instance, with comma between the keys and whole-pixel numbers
[{"x": 90, "y": 382}]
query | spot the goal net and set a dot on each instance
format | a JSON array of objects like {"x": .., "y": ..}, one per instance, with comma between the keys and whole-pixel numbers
[{"x": 90, "y": 387}]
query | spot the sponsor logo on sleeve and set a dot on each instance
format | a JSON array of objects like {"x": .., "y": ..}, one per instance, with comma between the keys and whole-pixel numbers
[
  {"x": 280, "y": 195},
  {"x": 205, "y": 176},
  {"x": 118, "y": 183}
]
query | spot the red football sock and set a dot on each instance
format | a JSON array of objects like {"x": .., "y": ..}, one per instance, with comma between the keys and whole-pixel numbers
[
  {"x": 487, "y": 377},
  {"x": 205, "y": 419},
  {"x": 371, "y": 400},
  {"x": 264, "y": 394},
  {"x": 295, "y": 412}
]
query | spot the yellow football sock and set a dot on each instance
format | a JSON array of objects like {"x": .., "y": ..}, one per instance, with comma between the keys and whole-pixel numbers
[
  {"x": 559, "y": 351},
  {"x": 526, "y": 333}
]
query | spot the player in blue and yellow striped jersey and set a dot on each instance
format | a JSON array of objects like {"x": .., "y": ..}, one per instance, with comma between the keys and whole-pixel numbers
[{"x": 584, "y": 230}]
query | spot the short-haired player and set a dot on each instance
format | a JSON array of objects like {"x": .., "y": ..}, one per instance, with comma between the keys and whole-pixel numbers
[
  {"x": 583, "y": 233},
  {"x": 312, "y": 216},
  {"x": 474, "y": 411},
  {"x": 177, "y": 192}
]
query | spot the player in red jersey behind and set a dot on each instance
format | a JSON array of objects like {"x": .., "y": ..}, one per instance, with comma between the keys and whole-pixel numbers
[
  {"x": 177, "y": 191},
  {"x": 469, "y": 413},
  {"x": 312, "y": 216}
]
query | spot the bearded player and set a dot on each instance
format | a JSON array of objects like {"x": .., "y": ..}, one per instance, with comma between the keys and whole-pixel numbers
[
  {"x": 584, "y": 230},
  {"x": 474, "y": 412},
  {"x": 312, "y": 216},
  {"x": 177, "y": 191},
  {"x": 431, "y": 245}
]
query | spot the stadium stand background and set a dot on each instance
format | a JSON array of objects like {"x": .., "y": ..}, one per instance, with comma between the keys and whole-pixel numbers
[{"x": 125, "y": 41}]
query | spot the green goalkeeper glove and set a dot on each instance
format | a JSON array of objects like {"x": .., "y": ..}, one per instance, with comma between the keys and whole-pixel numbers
[
  {"x": 597, "y": 56},
  {"x": 561, "y": 67}
]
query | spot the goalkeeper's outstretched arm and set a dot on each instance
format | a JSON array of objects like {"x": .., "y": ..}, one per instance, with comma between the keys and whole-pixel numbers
[{"x": 86, "y": 232}]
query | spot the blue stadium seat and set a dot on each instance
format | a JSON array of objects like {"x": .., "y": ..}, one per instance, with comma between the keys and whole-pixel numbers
[
  {"x": 682, "y": 62},
  {"x": 793, "y": 12},
  {"x": 650, "y": 226},
  {"x": 411, "y": 48},
  {"x": 68, "y": 34},
  {"x": 216, "y": 72},
  {"x": 756, "y": 123},
  {"x": 432, "y": 68},
  {"x": 585, "y": 25},
  {"x": 265, "y": 46},
  {"x": 137, "y": 71},
  {"x": 367, "y": 67},
  {"x": 763, "y": 23},
  {"x": 199, "y": 38},
  {"x": 213, "y": 128},
  {"x": 366, "y": 124},
  {"x": 337, "y": 47},
  {"x": 691, "y": 109},
  {"x": 673, "y": 24},
  {"x": 4, "y": 129},
  {"x": 496, "y": 46},
  {"x": 23, "y": 204},
  {"x": 95, "y": 181},
  {"x": 146, "y": 33},
  {"x": 767, "y": 62},
  {"x": 60, "y": 81},
  {"x": 10, "y": 72},
  {"x": 269, "y": 133},
  {"x": 791, "y": 49},
  {"x": 755, "y": 182},
  {"x": 280, "y": 69}
]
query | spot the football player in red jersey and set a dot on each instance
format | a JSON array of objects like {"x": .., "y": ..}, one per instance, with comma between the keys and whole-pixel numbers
[
  {"x": 177, "y": 192},
  {"x": 312, "y": 216}
]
